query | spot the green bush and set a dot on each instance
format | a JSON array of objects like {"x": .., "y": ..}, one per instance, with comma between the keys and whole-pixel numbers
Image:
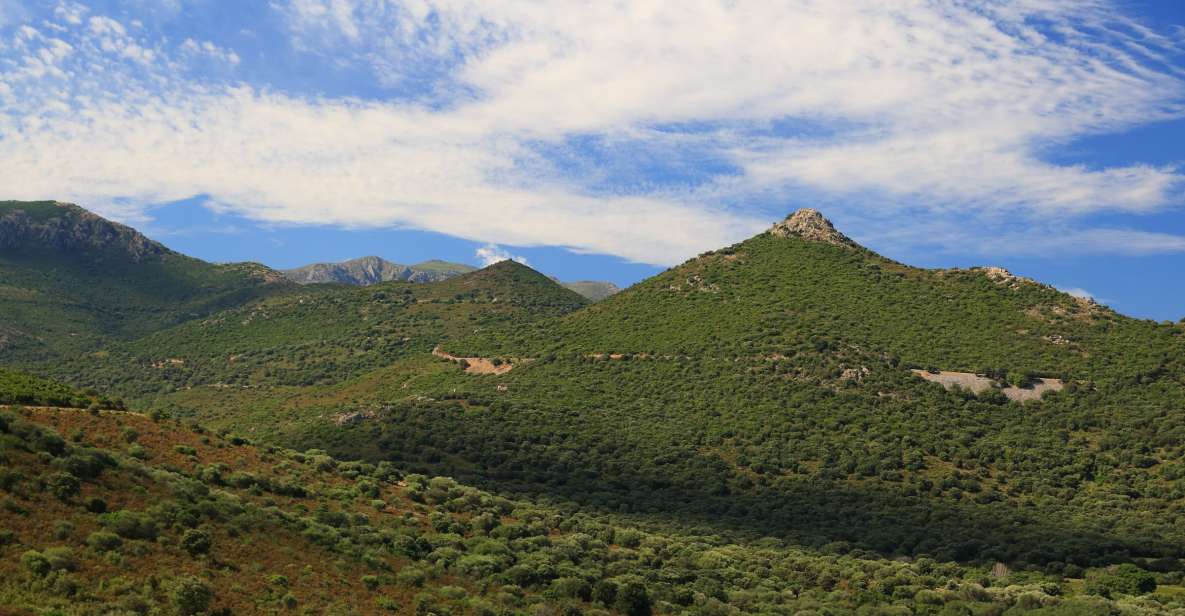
[
  {"x": 1126, "y": 579},
  {"x": 36, "y": 562},
  {"x": 195, "y": 542},
  {"x": 63, "y": 485},
  {"x": 632, "y": 599},
  {"x": 189, "y": 595},
  {"x": 131, "y": 524},
  {"x": 61, "y": 559},
  {"x": 62, "y": 529},
  {"x": 104, "y": 541}
]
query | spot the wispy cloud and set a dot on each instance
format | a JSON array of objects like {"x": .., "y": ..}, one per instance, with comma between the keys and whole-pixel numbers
[
  {"x": 947, "y": 107},
  {"x": 1083, "y": 294},
  {"x": 491, "y": 253}
]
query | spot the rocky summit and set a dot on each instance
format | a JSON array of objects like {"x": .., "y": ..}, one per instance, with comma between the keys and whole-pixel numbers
[{"x": 809, "y": 224}]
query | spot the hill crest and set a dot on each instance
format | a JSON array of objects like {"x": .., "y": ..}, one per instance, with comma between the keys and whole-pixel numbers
[
  {"x": 810, "y": 224},
  {"x": 70, "y": 229}
]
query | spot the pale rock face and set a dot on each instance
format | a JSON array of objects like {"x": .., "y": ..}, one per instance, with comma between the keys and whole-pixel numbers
[{"x": 809, "y": 224}]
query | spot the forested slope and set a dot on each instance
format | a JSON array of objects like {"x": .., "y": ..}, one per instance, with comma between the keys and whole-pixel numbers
[{"x": 71, "y": 282}]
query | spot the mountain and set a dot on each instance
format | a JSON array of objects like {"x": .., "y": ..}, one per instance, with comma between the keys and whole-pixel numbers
[
  {"x": 790, "y": 424},
  {"x": 772, "y": 387},
  {"x": 365, "y": 271},
  {"x": 373, "y": 270},
  {"x": 321, "y": 335},
  {"x": 594, "y": 290},
  {"x": 71, "y": 281}
]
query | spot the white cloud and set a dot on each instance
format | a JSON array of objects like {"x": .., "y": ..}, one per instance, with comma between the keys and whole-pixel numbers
[
  {"x": 490, "y": 254},
  {"x": 208, "y": 49},
  {"x": 1077, "y": 292},
  {"x": 947, "y": 106}
]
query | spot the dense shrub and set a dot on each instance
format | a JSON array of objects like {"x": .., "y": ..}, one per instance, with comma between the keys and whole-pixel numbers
[
  {"x": 195, "y": 542},
  {"x": 103, "y": 541},
  {"x": 131, "y": 524},
  {"x": 1126, "y": 579},
  {"x": 63, "y": 485},
  {"x": 189, "y": 595}
]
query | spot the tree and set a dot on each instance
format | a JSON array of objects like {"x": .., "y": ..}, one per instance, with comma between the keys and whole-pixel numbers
[
  {"x": 63, "y": 485},
  {"x": 189, "y": 595},
  {"x": 632, "y": 599},
  {"x": 195, "y": 541}
]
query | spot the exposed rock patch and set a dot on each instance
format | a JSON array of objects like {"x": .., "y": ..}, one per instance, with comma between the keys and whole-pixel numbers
[
  {"x": 477, "y": 365},
  {"x": 355, "y": 417},
  {"x": 978, "y": 383},
  {"x": 809, "y": 224}
]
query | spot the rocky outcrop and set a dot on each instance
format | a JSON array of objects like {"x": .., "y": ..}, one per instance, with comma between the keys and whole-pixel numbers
[
  {"x": 69, "y": 229},
  {"x": 809, "y": 224}
]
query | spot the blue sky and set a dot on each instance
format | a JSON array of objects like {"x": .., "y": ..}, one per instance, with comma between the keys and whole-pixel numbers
[{"x": 610, "y": 140}]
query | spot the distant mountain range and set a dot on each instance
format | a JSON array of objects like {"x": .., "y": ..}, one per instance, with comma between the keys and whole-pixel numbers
[{"x": 369, "y": 270}]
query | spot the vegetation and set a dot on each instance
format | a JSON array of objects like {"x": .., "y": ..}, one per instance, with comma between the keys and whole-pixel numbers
[
  {"x": 70, "y": 282},
  {"x": 740, "y": 434},
  {"x": 322, "y": 334},
  {"x": 238, "y": 528},
  {"x": 21, "y": 388}
]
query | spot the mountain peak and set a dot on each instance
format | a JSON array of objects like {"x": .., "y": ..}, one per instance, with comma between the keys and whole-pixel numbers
[
  {"x": 70, "y": 229},
  {"x": 810, "y": 224}
]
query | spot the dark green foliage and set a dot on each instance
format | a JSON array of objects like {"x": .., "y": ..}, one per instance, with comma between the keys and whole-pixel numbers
[
  {"x": 63, "y": 485},
  {"x": 104, "y": 541},
  {"x": 1126, "y": 579},
  {"x": 36, "y": 562},
  {"x": 195, "y": 542},
  {"x": 189, "y": 595},
  {"x": 631, "y": 599},
  {"x": 131, "y": 524}
]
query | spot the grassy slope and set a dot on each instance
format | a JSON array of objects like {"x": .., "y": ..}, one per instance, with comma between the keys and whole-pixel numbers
[{"x": 60, "y": 303}]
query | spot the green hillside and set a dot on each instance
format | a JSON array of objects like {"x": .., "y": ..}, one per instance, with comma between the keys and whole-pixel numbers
[
  {"x": 117, "y": 513},
  {"x": 744, "y": 433},
  {"x": 71, "y": 282},
  {"x": 765, "y": 388},
  {"x": 771, "y": 293},
  {"x": 322, "y": 335},
  {"x": 26, "y": 389}
]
